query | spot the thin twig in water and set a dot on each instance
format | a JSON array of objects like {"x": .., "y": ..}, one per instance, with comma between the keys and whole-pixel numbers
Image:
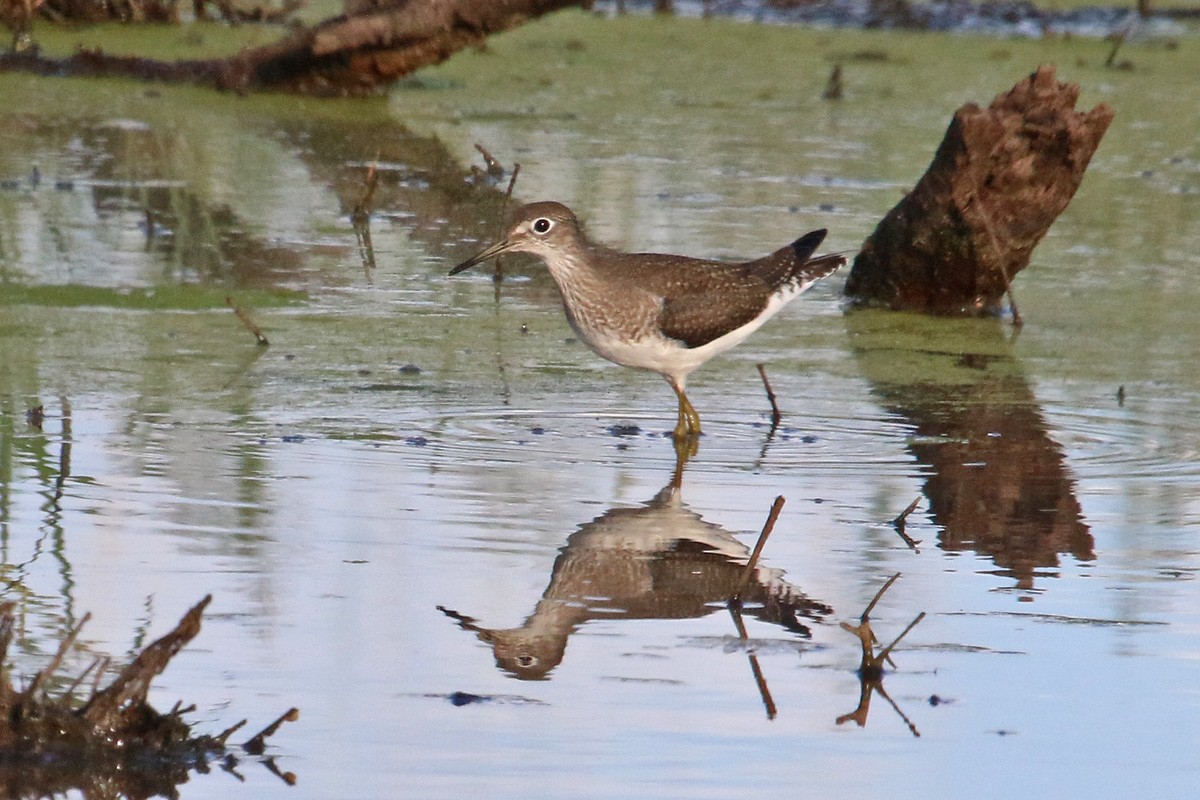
[
  {"x": 833, "y": 88},
  {"x": 45, "y": 673},
  {"x": 498, "y": 265},
  {"x": 105, "y": 661},
  {"x": 866, "y": 614},
  {"x": 995, "y": 242},
  {"x": 775, "y": 415},
  {"x": 494, "y": 168},
  {"x": 225, "y": 734},
  {"x": 257, "y": 743},
  {"x": 776, "y": 507},
  {"x": 70, "y": 691},
  {"x": 249, "y": 323},
  {"x": 1118, "y": 39},
  {"x": 366, "y": 250},
  {"x": 886, "y": 652},
  {"x": 912, "y": 728},
  {"x": 362, "y": 208},
  {"x": 899, "y": 522},
  {"x": 511, "y": 182},
  {"x": 1012, "y": 303}
]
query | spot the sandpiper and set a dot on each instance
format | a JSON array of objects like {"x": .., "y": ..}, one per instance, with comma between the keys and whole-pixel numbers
[{"x": 664, "y": 313}]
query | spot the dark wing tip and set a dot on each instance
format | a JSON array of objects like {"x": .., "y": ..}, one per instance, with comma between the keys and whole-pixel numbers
[{"x": 807, "y": 244}]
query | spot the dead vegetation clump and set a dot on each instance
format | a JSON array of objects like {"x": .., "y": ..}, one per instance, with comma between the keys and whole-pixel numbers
[{"x": 106, "y": 741}]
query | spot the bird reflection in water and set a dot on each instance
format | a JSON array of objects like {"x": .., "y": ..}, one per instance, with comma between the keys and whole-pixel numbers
[{"x": 656, "y": 561}]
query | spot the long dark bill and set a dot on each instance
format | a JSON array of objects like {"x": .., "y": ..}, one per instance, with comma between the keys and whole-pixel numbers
[{"x": 502, "y": 246}]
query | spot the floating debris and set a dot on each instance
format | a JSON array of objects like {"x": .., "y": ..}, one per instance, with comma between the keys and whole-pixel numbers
[
  {"x": 623, "y": 430},
  {"x": 35, "y": 416}
]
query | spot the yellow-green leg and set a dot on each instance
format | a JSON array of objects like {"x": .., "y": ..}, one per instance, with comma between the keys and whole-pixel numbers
[{"x": 689, "y": 421}]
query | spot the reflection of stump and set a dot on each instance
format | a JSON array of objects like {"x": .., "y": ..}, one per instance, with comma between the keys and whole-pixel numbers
[
  {"x": 999, "y": 179},
  {"x": 996, "y": 480}
]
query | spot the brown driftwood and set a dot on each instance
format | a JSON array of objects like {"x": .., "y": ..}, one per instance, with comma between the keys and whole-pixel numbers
[
  {"x": 1000, "y": 178},
  {"x": 357, "y": 53}
]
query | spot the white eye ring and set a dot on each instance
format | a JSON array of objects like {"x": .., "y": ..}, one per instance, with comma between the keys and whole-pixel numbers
[{"x": 542, "y": 225}]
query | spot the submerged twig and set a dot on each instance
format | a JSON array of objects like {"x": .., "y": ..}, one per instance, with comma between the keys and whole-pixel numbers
[
  {"x": 249, "y": 323},
  {"x": 776, "y": 416},
  {"x": 105, "y": 661},
  {"x": 872, "y": 663},
  {"x": 287, "y": 777},
  {"x": 776, "y": 507},
  {"x": 366, "y": 249}
]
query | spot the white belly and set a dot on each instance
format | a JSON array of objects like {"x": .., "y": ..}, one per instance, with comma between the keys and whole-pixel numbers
[{"x": 657, "y": 353}]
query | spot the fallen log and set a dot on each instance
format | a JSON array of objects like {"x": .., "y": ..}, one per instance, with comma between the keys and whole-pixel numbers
[
  {"x": 1000, "y": 178},
  {"x": 357, "y": 53}
]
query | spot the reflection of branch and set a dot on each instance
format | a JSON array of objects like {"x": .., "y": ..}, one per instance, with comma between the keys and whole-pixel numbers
[
  {"x": 360, "y": 217},
  {"x": 735, "y": 611},
  {"x": 366, "y": 250}
]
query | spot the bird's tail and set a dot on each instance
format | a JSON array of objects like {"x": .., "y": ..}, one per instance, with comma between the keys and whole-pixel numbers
[{"x": 794, "y": 268}]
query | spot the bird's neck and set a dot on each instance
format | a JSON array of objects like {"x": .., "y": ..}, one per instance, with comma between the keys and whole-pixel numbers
[
  {"x": 572, "y": 265},
  {"x": 575, "y": 271}
]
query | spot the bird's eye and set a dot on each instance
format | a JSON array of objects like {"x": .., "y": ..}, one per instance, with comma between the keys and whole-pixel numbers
[{"x": 542, "y": 225}]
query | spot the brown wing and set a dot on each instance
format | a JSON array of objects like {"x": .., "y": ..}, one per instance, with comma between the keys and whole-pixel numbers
[
  {"x": 690, "y": 318},
  {"x": 700, "y": 317},
  {"x": 704, "y": 300}
]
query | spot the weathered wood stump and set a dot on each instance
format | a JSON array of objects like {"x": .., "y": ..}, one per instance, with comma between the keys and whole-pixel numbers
[{"x": 1000, "y": 178}]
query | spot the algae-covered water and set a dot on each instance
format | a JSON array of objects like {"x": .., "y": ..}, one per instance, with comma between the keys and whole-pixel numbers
[{"x": 427, "y": 514}]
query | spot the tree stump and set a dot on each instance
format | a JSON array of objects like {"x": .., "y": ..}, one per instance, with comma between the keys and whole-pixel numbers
[{"x": 1000, "y": 178}]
